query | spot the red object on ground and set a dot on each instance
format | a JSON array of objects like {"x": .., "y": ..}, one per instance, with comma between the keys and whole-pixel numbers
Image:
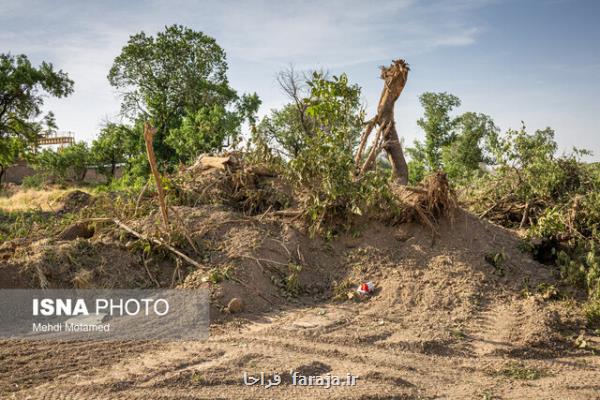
[{"x": 366, "y": 288}]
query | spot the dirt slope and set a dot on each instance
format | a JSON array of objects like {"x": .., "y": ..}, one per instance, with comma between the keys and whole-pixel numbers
[{"x": 450, "y": 319}]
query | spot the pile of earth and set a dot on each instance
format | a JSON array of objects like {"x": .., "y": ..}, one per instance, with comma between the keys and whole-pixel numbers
[
  {"x": 458, "y": 309},
  {"x": 74, "y": 201},
  {"x": 436, "y": 282},
  {"x": 255, "y": 256}
]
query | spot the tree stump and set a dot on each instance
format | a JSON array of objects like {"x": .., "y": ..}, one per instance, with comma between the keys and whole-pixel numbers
[{"x": 394, "y": 78}]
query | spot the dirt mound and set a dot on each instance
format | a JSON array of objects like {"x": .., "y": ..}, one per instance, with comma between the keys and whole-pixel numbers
[
  {"x": 269, "y": 262},
  {"x": 103, "y": 261},
  {"x": 230, "y": 181},
  {"x": 74, "y": 201},
  {"x": 463, "y": 305},
  {"x": 438, "y": 274}
]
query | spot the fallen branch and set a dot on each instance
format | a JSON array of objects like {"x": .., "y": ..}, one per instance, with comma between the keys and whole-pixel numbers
[
  {"x": 525, "y": 215},
  {"x": 147, "y": 238},
  {"x": 288, "y": 213},
  {"x": 152, "y": 278},
  {"x": 158, "y": 242},
  {"x": 486, "y": 212}
]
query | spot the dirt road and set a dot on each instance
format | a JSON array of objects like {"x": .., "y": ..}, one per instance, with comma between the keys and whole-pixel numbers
[{"x": 391, "y": 362}]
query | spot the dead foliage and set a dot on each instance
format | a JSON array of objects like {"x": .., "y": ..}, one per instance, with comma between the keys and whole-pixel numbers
[
  {"x": 74, "y": 201},
  {"x": 430, "y": 201},
  {"x": 231, "y": 181}
]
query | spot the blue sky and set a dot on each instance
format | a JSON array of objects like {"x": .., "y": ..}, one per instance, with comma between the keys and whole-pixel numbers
[{"x": 531, "y": 61}]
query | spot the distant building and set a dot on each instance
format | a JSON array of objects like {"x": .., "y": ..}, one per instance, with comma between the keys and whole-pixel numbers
[{"x": 60, "y": 139}]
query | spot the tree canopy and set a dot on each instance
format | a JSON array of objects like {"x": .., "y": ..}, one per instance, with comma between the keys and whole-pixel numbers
[
  {"x": 67, "y": 163},
  {"x": 457, "y": 144},
  {"x": 21, "y": 94},
  {"x": 115, "y": 144},
  {"x": 437, "y": 124},
  {"x": 318, "y": 103},
  {"x": 177, "y": 80},
  {"x": 22, "y": 91}
]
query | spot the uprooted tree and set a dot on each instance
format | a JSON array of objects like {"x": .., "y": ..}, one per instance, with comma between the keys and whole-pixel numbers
[{"x": 394, "y": 77}]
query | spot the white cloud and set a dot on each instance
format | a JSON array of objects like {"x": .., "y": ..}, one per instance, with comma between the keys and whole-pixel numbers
[{"x": 83, "y": 38}]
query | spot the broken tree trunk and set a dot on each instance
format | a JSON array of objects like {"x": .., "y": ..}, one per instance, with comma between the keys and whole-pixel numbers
[
  {"x": 394, "y": 77},
  {"x": 149, "y": 132}
]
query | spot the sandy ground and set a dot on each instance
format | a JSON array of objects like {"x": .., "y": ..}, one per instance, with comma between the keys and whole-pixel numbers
[
  {"x": 444, "y": 323},
  {"x": 389, "y": 360}
]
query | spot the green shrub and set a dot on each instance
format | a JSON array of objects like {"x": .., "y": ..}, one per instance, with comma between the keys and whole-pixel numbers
[
  {"x": 556, "y": 197},
  {"x": 592, "y": 312},
  {"x": 68, "y": 163},
  {"x": 36, "y": 181},
  {"x": 323, "y": 169}
]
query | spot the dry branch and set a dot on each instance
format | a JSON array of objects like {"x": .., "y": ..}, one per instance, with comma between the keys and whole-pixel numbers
[
  {"x": 215, "y": 162},
  {"x": 149, "y": 132},
  {"x": 158, "y": 242},
  {"x": 147, "y": 238},
  {"x": 139, "y": 199}
]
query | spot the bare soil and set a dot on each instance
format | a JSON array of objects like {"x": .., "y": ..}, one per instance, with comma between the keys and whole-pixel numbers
[{"x": 450, "y": 318}]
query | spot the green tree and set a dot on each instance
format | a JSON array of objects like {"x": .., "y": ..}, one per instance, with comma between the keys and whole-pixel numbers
[
  {"x": 113, "y": 146},
  {"x": 470, "y": 147},
  {"x": 22, "y": 91},
  {"x": 177, "y": 80},
  {"x": 438, "y": 125},
  {"x": 324, "y": 166},
  {"x": 77, "y": 158},
  {"x": 455, "y": 144},
  {"x": 417, "y": 168},
  {"x": 283, "y": 130},
  {"x": 210, "y": 127},
  {"x": 69, "y": 162},
  {"x": 531, "y": 160},
  {"x": 50, "y": 165},
  {"x": 11, "y": 148},
  {"x": 313, "y": 97}
]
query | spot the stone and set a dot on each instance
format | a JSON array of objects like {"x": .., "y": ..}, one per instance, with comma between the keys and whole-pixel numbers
[
  {"x": 75, "y": 231},
  {"x": 235, "y": 305}
]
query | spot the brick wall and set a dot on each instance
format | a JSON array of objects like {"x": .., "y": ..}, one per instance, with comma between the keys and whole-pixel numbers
[{"x": 16, "y": 173}]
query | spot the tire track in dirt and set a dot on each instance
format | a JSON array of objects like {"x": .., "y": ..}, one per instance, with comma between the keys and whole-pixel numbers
[
  {"x": 387, "y": 376},
  {"x": 492, "y": 330},
  {"x": 325, "y": 350},
  {"x": 31, "y": 363},
  {"x": 412, "y": 366},
  {"x": 499, "y": 325},
  {"x": 367, "y": 392},
  {"x": 393, "y": 370}
]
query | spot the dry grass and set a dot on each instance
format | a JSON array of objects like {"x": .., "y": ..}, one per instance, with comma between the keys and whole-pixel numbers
[{"x": 33, "y": 199}]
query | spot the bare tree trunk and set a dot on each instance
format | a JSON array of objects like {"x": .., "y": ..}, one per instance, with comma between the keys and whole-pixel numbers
[
  {"x": 149, "y": 133},
  {"x": 394, "y": 77},
  {"x": 291, "y": 83},
  {"x": 113, "y": 168}
]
